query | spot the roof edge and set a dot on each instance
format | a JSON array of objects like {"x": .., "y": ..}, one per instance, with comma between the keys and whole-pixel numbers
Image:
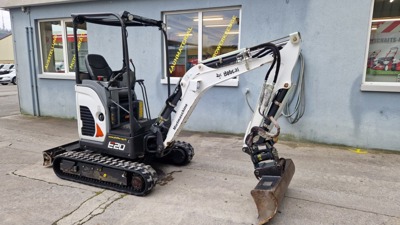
[
  {"x": 6, "y": 36},
  {"x": 8, "y": 4}
]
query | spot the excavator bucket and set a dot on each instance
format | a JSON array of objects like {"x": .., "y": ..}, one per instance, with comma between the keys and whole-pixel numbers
[{"x": 270, "y": 191}]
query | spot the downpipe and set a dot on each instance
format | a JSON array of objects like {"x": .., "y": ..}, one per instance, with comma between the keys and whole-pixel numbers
[{"x": 33, "y": 80}]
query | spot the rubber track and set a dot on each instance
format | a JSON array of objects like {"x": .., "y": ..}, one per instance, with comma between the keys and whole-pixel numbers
[{"x": 148, "y": 174}]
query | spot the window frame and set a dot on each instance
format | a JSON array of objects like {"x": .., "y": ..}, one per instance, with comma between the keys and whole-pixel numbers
[
  {"x": 67, "y": 75},
  {"x": 234, "y": 82},
  {"x": 374, "y": 85}
]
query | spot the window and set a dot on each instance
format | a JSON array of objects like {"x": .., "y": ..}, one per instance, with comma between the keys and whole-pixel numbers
[
  {"x": 58, "y": 48},
  {"x": 196, "y": 36},
  {"x": 383, "y": 59}
]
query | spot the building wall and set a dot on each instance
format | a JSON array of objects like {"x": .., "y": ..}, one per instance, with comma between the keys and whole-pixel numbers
[
  {"x": 335, "y": 35},
  {"x": 6, "y": 50}
]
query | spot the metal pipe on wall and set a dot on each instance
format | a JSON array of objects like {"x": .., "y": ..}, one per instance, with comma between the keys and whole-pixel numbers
[{"x": 32, "y": 75}]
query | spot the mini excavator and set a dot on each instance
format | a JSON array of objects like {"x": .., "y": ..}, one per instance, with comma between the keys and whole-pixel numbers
[{"x": 118, "y": 143}]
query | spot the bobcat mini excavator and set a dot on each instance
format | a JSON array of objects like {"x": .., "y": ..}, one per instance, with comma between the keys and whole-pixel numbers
[{"x": 117, "y": 143}]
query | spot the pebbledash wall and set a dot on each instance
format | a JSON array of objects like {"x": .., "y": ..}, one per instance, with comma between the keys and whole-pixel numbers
[{"x": 335, "y": 35}]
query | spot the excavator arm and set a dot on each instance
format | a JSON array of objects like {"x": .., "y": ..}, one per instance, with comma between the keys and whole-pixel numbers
[
  {"x": 216, "y": 70},
  {"x": 274, "y": 173}
]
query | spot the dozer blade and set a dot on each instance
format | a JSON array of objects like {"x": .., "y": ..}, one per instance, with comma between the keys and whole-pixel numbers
[
  {"x": 49, "y": 155},
  {"x": 270, "y": 191}
]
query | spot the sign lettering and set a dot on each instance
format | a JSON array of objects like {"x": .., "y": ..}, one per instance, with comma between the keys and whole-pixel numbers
[{"x": 179, "y": 52}]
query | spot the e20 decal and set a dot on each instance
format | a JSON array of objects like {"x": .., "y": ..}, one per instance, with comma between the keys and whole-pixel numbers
[{"x": 116, "y": 145}]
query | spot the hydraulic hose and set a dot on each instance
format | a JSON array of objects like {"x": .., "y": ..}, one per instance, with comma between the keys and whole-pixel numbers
[{"x": 299, "y": 107}]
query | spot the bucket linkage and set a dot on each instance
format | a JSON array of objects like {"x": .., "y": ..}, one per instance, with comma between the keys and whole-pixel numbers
[{"x": 274, "y": 173}]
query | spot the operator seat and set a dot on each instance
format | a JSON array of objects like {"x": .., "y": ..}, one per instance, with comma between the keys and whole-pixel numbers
[{"x": 97, "y": 66}]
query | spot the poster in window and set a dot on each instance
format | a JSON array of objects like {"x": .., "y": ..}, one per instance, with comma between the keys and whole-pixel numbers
[{"x": 383, "y": 62}]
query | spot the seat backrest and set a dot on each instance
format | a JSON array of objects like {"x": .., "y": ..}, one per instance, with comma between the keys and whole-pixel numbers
[{"x": 97, "y": 66}]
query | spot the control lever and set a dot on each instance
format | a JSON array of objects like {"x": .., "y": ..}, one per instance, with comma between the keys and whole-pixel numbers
[{"x": 114, "y": 79}]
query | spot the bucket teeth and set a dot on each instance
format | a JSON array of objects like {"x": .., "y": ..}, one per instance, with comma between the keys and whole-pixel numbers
[{"x": 269, "y": 192}]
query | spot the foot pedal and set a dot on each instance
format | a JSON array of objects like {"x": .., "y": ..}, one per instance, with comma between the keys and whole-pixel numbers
[{"x": 270, "y": 191}]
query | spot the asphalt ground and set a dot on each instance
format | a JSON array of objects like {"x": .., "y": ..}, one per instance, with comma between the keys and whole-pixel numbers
[
  {"x": 332, "y": 185},
  {"x": 8, "y": 100}
]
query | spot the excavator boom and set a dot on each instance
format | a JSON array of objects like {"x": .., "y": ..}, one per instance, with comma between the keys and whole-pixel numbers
[{"x": 213, "y": 71}]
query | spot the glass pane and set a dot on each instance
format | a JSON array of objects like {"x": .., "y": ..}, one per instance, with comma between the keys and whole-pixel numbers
[
  {"x": 182, "y": 33},
  {"x": 383, "y": 64},
  {"x": 82, "y": 46},
  {"x": 52, "y": 46},
  {"x": 220, "y": 32}
]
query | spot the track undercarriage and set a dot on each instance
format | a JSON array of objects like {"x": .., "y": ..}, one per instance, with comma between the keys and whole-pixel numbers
[{"x": 69, "y": 162}]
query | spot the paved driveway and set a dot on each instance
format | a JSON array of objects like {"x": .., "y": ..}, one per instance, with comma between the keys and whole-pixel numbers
[
  {"x": 8, "y": 100},
  {"x": 332, "y": 185}
]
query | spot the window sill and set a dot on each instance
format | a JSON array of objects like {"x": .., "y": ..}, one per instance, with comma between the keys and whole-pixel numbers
[
  {"x": 57, "y": 76},
  {"x": 234, "y": 82},
  {"x": 380, "y": 86}
]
